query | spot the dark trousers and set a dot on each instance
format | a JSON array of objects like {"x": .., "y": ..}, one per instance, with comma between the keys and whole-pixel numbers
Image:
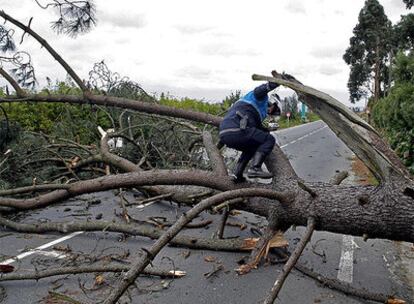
[{"x": 249, "y": 141}]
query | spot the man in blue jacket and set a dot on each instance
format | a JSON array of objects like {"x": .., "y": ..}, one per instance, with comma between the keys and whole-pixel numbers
[{"x": 242, "y": 129}]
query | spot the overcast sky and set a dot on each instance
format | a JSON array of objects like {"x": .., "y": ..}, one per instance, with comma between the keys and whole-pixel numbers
[{"x": 205, "y": 49}]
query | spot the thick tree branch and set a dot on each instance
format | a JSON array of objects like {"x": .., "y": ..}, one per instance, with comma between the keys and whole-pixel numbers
[
  {"x": 359, "y": 136},
  {"x": 46, "y": 45},
  {"x": 216, "y": 159},
  {"x": 37, "y": 275},
  {"x": 136, "y": 179},
  {"x": 130, "y": 229},
  {"x": 34, "y": 188},
  {"x": 343, "y": 287},
  {"x": 14, "y": 84},
  {"x": 123, "y": 103}
]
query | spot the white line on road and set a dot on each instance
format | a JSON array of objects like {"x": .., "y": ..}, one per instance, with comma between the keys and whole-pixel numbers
[
  {"x": 142, "y": 206},
  {"x": 40, "y": 248},
  {"x": 303, "y": 137},
  {"x": 52, "y": 254},
  {"x": 346, "y": 262}
]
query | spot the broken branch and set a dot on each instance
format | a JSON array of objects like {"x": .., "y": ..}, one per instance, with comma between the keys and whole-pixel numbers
[{"x": 291, "y": 262}]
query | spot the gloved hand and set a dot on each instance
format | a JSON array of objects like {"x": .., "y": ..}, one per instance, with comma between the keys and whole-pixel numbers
[
  {"x": 272, "y": 85},
  {"x": 289, "y": 77}
]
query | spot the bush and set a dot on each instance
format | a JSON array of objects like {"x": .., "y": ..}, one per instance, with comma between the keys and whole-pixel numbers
[
  {"x": 192, "y": 104},
  {"x": 394, "y": 115}
]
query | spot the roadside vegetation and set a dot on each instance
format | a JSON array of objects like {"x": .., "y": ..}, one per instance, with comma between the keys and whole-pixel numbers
[
  {"x": 394, "y": 114},
  {"x": 381, "y": 63}
]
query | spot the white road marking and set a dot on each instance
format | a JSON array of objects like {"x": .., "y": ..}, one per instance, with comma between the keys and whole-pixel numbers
[
  {"x": 52, "y": 254},
  {"x": 346, "y": 262},
  {"x": 142, "y": 206},
  {"x": 304, "y": 136},
  {"x": 40, "y": 248}
]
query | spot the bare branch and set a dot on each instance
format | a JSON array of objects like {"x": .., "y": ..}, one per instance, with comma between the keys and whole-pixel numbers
[
  {"x": 34, "y": 188},
  {"x": 193, "y": 242},
  {"x": 338, "y": 178},
  {"x": 124, "y": 103},
  {"x": 216, "y": 159},
  {"x": 223, "y": 221},
  {"x": 37, "y": 275},
  {"x": 135, "y": 179},
  {"x": 14, "y": 84},
  {"x": 46, "y": 45},
  {"x": 291, "y": 262}
]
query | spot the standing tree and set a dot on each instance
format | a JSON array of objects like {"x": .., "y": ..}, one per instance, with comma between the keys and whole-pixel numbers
[
  {"x": 368, "y": 52},
  {"x": 404, "y": 33},
  {"x": 409, "y": 3}
]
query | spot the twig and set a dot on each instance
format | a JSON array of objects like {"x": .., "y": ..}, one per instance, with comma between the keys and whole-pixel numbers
[
  {"x": 37, "y": 275},
  {"x": 346, "y": 288},
  {"x": 124, "y": 208},
  {"x": 338, "y": 178},
  {"x": 14, "y": 84},
  {"x": 223, "y": 221},
  {"x": 201, "y": 224},
  {"x": 200, "y": 194},
  {"x": 303, "y": 186},
  {"x": 151, "y": 199},
  {"x": 291, "y": 262},
  {"x": 62, "y": 297},
  {"x": 228, "y": 204},
  {"x": 216, "y": 159},
  {"x": 34, "y": 188}
]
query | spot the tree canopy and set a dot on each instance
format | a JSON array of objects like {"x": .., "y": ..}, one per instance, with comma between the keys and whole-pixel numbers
[
  {"x": 368, "y": 52},
  {"x": 409, "y": 3}
]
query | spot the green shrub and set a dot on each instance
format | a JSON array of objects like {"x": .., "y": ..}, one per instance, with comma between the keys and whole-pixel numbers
[
  {"x": 192, "y": 104},
  {"x": 394, "y": 115}
]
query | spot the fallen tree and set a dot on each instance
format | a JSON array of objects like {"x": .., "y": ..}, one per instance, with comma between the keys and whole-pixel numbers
[{"x": 383, "y": 211}]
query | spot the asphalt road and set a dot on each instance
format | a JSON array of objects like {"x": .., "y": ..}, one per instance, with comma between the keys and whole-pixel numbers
[{"x": 316, "y": 154}]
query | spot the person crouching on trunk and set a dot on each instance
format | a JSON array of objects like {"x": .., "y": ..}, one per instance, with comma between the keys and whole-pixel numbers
[{"x": 242, "y": 130}]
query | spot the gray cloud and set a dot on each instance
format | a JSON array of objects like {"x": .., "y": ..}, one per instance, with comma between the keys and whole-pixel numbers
[
  {"x": 192, "y": 29},
  {"x": 339, "y": 13},
  {"x": 296, "y": 7},
  {"x": 208, "y": 95},
  {"x": 122, "y": 19},
  {"x": 329, "y": 70},
  {"x": 340, "y": 95},
  {"x": 194, "y": 72},
  {"x": 226, "y": 50},
  {"x": 327, "y": 52}
]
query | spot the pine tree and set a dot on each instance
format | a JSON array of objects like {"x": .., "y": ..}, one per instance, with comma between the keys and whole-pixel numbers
[
  {"x": 404, "y": 33},
  {"x": 368, "y": 52},
  {"x": 409, "y": 3}
]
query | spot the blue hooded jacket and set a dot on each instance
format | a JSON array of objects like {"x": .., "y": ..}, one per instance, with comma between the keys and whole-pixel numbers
[{"x": 254, "y": 105}]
